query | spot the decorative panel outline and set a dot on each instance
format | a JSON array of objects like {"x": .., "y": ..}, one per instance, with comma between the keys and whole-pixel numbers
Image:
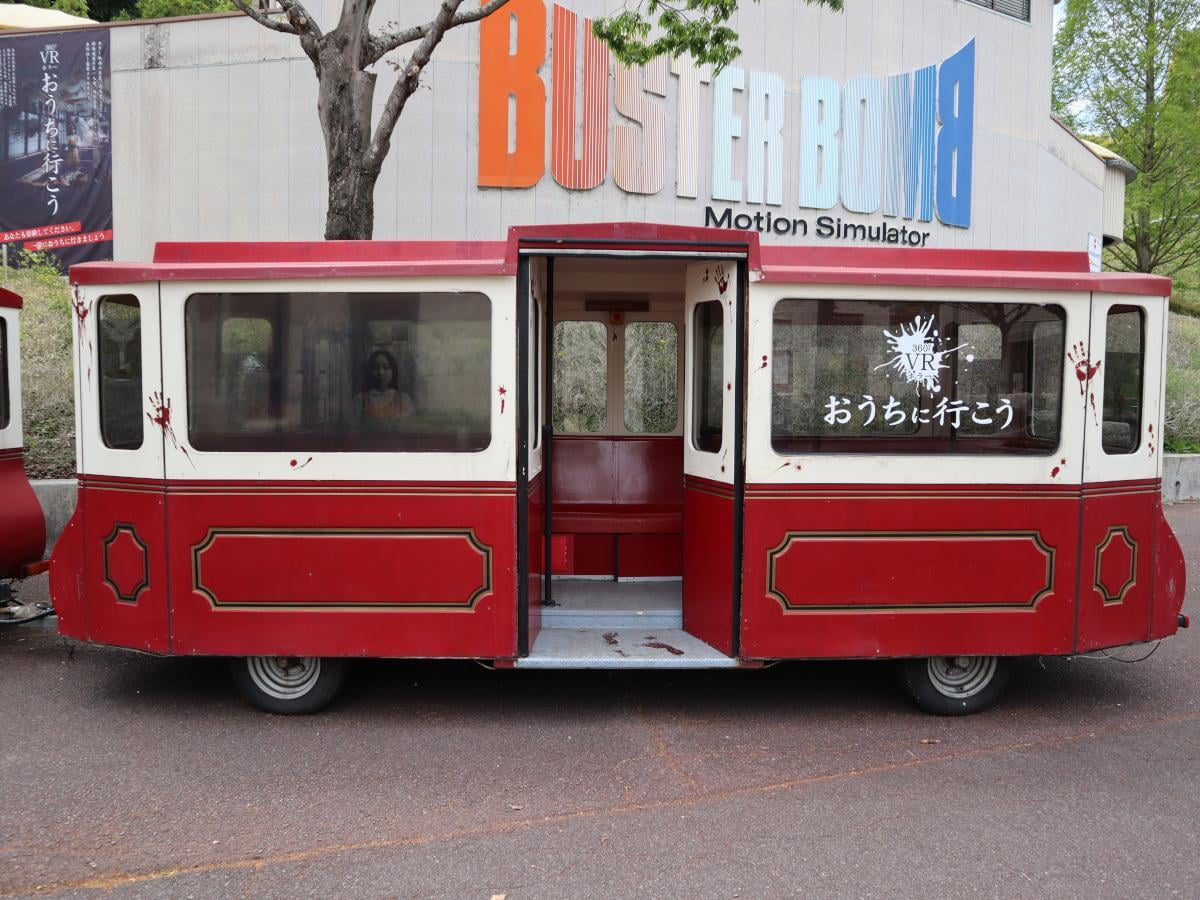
[
  {"x": 467, "y": 534},
  {"x": 1112, "y": 598},
  {"x": 791, "y": 537},
  {"x": 132, "y": 595}
]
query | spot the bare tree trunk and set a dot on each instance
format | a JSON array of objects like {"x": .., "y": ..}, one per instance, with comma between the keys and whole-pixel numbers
[{"x": 344, "y": 107}]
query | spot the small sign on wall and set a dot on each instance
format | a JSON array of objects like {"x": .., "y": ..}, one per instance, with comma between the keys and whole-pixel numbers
[{"x": 1095, "y": 252}]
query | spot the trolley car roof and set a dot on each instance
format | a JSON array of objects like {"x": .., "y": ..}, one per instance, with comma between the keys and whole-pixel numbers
[{"x": 258, "y": 261}]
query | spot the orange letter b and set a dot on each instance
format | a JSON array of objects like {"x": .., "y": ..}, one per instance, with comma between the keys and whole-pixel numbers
[{"x": 504, "y": 75}]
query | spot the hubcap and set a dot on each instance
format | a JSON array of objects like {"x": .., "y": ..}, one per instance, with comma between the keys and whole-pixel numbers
[
  {"x": 284, "y": 677},
  {"x": 961, "y": 676}
]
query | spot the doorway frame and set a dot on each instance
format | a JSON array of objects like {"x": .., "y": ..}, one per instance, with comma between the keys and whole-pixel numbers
[{"x": 550, "y": 246}]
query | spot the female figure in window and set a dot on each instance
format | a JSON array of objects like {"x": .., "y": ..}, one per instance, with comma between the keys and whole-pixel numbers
[{"x": 381, "y": 400}]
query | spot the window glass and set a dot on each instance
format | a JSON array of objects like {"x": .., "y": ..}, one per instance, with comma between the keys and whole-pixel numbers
[
  {"x": 401, "y": 372},
  {"x": 651, "y": 376},
  {"x": 580, "y": 377},
  {"x": 4, "y": 406},
  {"x": 708, "y": 371},
  {"x": 535, "y": 353},
  {"x": 119, "y": 323},
  {"x": 887, "y": 377},
  {"x": 1123, "y": 363}
]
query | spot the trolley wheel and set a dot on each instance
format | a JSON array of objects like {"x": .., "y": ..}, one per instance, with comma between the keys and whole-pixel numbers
[
  {"x": 956, "y": 685},
  {"x": 288, "y": 685}
]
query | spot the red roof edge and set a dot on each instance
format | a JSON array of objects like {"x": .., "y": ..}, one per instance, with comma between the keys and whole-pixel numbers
[
  {"x": 10, "y": 300},
  {"x": 324, "y": 251},
  {"x": 908, "y": 258}
]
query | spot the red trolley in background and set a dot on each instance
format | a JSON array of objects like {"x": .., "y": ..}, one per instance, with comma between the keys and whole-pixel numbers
[
  {"x": 22, "y": 527},
  {"x": 617, "y": 446}
]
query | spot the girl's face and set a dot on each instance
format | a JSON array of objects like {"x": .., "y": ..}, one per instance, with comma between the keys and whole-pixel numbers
[{"x": 381, "y": 373}]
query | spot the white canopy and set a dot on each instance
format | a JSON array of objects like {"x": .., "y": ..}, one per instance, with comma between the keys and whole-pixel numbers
[{"x": 21, "y": 15}]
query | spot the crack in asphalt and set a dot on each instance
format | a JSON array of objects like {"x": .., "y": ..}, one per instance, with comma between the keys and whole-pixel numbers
[{"x": 109, "y": 882}]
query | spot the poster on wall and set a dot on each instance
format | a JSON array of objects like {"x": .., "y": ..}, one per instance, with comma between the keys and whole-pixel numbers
[{"x": 56, "y": 145}]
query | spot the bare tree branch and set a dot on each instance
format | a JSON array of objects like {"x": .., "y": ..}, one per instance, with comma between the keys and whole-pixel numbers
[
  {"x": 378, "y": 45},
  {"x": 265, "y": 21},
  {"x": 410, "y": 77}
]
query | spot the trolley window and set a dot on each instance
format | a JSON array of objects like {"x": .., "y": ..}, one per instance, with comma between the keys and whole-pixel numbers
[
  {"x": 349, "y": 372},
  {"x": 1124, "y": 351},
  {"x": 119, "y": 322},
  {"x": 651, "y": 377},
  {"x": 708, "y": 353},
  {"x": 4, "y": 409},
  {"x": 859, "y": 376},
  {"x": 580, "y": 377}
]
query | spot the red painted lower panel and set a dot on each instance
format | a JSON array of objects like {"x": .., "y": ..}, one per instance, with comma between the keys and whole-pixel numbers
[
  {"x": 124, "y": 565},
  {"x": 908, "y": 571},
  {"x": 1117, "y": 565},
  {"x": 364, "y": 571},
  {"x": 22, "y": 527},
  {"x": 708, "y": 562},
  {"x": 649, "y": 555},
  {"x": 1170, "y": 580}
]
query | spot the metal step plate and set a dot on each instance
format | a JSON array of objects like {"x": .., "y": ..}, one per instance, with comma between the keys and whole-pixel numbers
[
  {"x": 629, "y": 648},
  {"x": 611, "y": 604}
]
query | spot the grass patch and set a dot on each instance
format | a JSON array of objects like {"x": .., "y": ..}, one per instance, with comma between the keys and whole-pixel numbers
[{"x": 47, "y": 389}]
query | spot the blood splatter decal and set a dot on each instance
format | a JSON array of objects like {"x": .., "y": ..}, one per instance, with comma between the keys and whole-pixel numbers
[
  {"x": 764, "y": 363},
  {"x": 162, "y": 418},
  {"x": 503, "y": 392},
  {"x": 1150, "y": 441},
  {"x": 296, "y": 464},
  {"x": 1054, "y": 472},
  {"x": 1085, "y": 371},
  {"x": 722, "y": 279},
  {"x": 655, "y": 644},
  {"x": 81, "y": 313}
]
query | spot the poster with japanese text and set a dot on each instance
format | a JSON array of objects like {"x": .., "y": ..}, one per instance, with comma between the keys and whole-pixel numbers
[{"x": 56, "y": 145}]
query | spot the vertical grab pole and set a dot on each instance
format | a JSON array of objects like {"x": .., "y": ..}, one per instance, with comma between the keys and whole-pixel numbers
[
  {"x": 548, "y": 431},
  {"x": 523, "y": 403}
]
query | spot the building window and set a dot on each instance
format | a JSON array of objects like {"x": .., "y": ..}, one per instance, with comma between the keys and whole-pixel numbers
[
  {"x": 580, "y": 377},
  {"x": 708, "y": 354},
  {"x": 119, "y": 323},
  {"x": 1124, "y": 349},
  {"x": 349, "y": 372},
  {"x": 651, "y": 377},
  {"x": 866, "y": 376},
  {"x": 1018, "y": 9}
]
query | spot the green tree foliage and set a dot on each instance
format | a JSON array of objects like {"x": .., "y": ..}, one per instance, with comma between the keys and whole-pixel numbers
[
  {"x": 167, "y": 9},
  {"x": 696, "y": 28},
  {"x": 1129, "y": 71}
]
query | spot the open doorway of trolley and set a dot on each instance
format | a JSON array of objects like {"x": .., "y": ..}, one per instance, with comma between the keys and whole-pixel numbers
[{"x": 630, "y": 452}]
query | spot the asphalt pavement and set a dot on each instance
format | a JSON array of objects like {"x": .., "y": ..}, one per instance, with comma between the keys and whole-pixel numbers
[{"x": 131, "y": 776}]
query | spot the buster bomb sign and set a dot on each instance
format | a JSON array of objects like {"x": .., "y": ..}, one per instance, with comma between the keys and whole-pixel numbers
[{"x": 900, "y": 145}]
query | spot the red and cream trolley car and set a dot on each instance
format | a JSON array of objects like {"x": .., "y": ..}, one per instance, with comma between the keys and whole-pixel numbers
[
  {"x": 22, "y": 527},
  {"x": 617, "y": 446}
]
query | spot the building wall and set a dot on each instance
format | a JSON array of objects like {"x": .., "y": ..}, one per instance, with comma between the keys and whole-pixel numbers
[{"x": 215, "y": 134}]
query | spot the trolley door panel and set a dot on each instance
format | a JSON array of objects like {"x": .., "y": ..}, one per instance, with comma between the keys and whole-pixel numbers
[
  {"x": 123, "y": 421},
  {"x": 1119, "y": 372},
  {"x": 710, "y": 457}
]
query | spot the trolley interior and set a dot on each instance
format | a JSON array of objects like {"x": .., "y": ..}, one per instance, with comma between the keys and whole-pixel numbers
[{"x": 618, "y": 446}]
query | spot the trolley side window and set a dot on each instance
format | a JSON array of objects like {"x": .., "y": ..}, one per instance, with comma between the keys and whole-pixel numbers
[
  {"x": 119, "y": 323},
  {"x": 1124, "y": 352},
  {"x": 859, "y": 376},
  {"x": 347, "y": 372},
  {"x": 651, "y": 377},
  {"x": 580, "y": 377},
  {"x": 4, "y": 405},
  {"x": 708, "y": 395}
]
